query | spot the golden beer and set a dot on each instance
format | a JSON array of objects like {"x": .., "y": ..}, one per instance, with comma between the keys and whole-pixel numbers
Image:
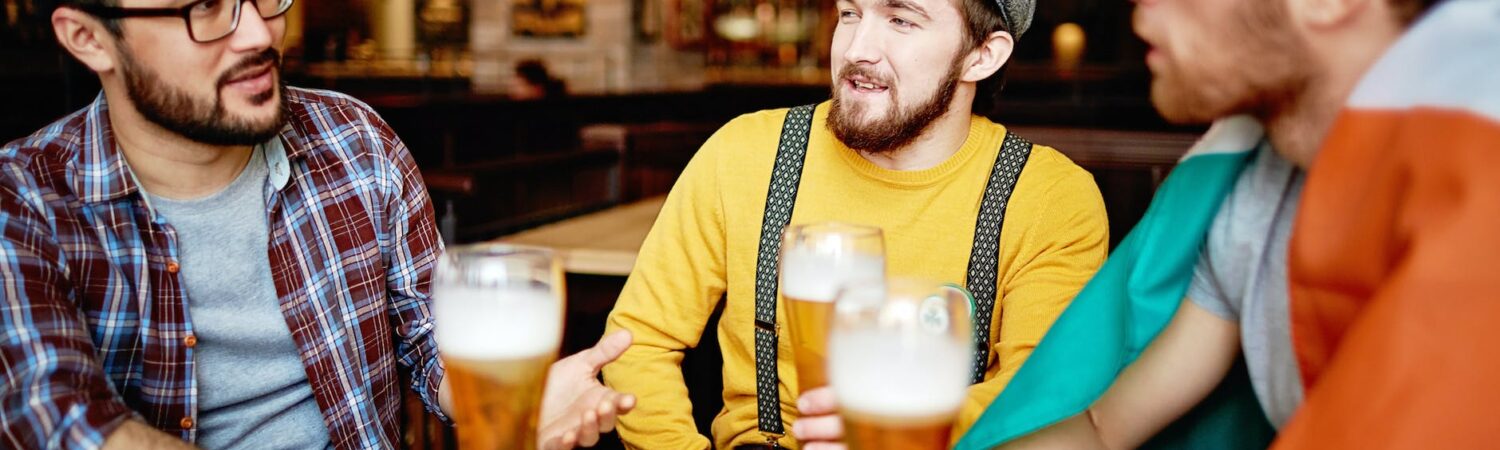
[
  {"x": 497, "y": 402},
  {"x": 810, "y": 280},
  {"x": 808, "y": 327},
  {"x": 498, "y": 312},
  {"x": 874, "y": 432}
]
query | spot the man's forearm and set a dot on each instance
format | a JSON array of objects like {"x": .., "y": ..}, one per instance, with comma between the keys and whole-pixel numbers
[
  {"x": 134, "y": 434},
  {"x": 1077, "y": 432}
]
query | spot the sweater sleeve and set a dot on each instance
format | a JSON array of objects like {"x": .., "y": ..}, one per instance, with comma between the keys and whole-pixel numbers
[{"x": 678, "y": 279}]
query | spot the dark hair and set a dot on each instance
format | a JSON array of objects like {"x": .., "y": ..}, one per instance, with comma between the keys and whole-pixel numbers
[
  {"x": 983, "y": 17},
  {"x": 535, "y": 73}
]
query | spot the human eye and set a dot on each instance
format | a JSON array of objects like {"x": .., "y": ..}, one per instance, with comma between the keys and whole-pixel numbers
[
  {"x": 848, "y": 16},
  {"x": 207, "y": 7}
]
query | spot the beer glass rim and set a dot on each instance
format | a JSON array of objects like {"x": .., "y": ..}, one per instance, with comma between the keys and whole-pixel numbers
[
  {"x": 854, "y": 300},
  {"x": 850, "y": 228},
  {"x": 497, "y": 264},
  {"x": 498, "y": 249}
]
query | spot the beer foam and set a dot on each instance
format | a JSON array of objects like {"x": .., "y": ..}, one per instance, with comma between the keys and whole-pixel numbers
[
  {"x": 816, "y": 277},
  {"x": 894, "y": 376},
  {"x": 505, "y": 323}
]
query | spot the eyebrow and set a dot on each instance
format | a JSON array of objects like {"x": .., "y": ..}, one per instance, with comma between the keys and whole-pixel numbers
[{"x": 909, "y": 6}]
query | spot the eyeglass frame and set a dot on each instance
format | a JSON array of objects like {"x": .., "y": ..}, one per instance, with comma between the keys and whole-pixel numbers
[{"x": 116, "y": 12}]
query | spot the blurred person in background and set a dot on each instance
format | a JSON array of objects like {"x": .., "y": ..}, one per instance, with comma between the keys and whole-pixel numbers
[
  {"x": 556, "y": 127},
  {"x": 1351, "y": 258},
  {"x": 898, "y": 147},
  {"x": 204, "y": 256},
  {"x": 533, "y": 82}
]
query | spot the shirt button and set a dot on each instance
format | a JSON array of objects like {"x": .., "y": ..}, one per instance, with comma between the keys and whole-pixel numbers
[
  {"x": 190, "y": 341},
  {"x": 172, "y": 267},
  {"x": 187, "y": 423}
]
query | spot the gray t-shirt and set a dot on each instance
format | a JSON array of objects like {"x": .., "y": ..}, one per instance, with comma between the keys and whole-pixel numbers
[
  {"x": 252, "y": 386},
  {"x": 1241, "y": 276}
]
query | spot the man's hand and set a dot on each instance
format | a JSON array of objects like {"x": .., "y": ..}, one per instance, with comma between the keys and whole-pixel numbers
[
  {"x": 136, "y": 434},
  {"x": 575, "y": 407},
  {"x": 819, "y": 427}
]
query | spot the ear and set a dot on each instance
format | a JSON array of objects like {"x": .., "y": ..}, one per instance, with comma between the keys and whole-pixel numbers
[
  {"x": 85, "y": 37},
  {"x": 988, "y": 57},
  {"x": 1318, "y": 14}
]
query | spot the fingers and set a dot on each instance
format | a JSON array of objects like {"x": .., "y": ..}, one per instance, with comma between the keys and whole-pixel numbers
[
  {"x": 824, "y": 446},
  {"x": 607, "y": 350},
  {"x": 819, "y": 428},
  {"x": 606, "y": 412},
  {"x": 603, "y": 417},
  {"x": 567, "y": 441},
  {"x": 819, "y": 421},
  {"x": 588, "y": 431},
  {"x": 817, "y": 402},
  {"x": 625, "y": 403}
]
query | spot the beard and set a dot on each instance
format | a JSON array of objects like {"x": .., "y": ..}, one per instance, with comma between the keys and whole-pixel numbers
[
  {"x": 896, "y": 129},
  {"x": 1257, "y": 65},
  {"x": 202, "y": 120}
]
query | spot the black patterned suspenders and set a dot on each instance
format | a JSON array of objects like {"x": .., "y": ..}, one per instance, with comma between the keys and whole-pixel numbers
[
  {"x": 984, "y": 259},
  {"x": 785, "y": 178}
]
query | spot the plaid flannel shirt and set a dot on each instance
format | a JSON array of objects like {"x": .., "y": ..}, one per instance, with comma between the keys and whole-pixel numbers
[{"x": 96, "y": 326}]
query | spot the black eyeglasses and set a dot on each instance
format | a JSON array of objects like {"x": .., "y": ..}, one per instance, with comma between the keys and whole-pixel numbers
[{"x": 207, "y": 20}]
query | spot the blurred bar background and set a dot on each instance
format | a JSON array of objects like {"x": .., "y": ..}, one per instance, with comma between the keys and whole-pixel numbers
[{"x": 622, "y": 93}]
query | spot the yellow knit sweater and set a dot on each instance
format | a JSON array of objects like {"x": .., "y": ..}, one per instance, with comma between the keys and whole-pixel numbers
[{"x": 706, "y": 240}]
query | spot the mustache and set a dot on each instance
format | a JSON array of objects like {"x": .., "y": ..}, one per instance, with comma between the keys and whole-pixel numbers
[
  {"x": 251, "y": 64},
  {"x": 864, "y": 71}
]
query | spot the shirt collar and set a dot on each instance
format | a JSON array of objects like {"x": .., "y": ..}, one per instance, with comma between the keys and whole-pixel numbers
[
  {"x": 100, "y": 174},
  {"x": 1233, "y": 134},
  {"x": 278, "y": 162}
]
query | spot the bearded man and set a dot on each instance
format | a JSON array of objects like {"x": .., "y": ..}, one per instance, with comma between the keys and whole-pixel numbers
[
  {"x": 898, "y": 147},
  {"x": 1334, "y": 229},
  {"x": 206, "y": 258}
]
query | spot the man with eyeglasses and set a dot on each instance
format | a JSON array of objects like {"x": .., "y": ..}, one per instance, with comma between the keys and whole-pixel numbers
[{"x": 204, "y": 256}]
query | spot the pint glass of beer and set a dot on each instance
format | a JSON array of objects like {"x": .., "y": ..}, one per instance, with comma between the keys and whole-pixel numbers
[
  {"x": 899, "y": 363},
  {"x": 498, "y": 312},
  {"x": 816, "y": 261}
]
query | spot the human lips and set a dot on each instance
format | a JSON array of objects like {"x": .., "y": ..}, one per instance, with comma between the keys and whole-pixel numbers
[
  {"x": 1154, "y": 57},
  {"x": 1155, "y": 54},
  {"x": 864, "y": 84},
  {"x": 253, "y": 81}
]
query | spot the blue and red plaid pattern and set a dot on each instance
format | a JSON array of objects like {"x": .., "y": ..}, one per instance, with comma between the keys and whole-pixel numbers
[{"x": 96, "y": 328}]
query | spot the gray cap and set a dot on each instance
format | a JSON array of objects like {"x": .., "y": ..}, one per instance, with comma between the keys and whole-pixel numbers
[{"x": 1017, "y": 15}]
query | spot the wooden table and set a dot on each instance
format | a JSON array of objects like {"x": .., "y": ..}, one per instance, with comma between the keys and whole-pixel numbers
[{"x": 601, "y": 243}]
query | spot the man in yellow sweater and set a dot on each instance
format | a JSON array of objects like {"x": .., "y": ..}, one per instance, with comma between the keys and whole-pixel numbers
[{"x": 897, "y": 147}]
